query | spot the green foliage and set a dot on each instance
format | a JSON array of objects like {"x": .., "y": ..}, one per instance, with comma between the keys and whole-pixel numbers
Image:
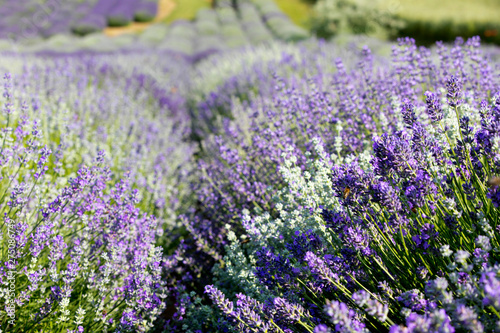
[
  {"x": 143, "y": 17},
  {"x": 117, "y": 21},
  {"x": 485, "y": 11},
  {"x": 299, "y": 11},
  {"x": 230, "y": 27},
  {"x": 186, "y": 9},
  {"x": 207, "y": 22},
  {"x": 154, "y": 33},
  {"x": 278, "y": 23},
  {"x": 332, "y": 17},
  {"x": 84, "y": 30},
  {"x": 286, "y": 30},
  {"x": 429, "y": 31},
  {"x": 95, "y": 41},
  {"x": 198, "y": 316}
]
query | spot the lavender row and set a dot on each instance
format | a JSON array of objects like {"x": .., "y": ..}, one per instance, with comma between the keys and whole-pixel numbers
[
  {"x": 317, "y": 198},
  {"x": 91, "y": 181},
  {"x": 278, "y": 22},
  {"x": 34, "y": 19},
  {"x": 216, "y": 31},
  {"x": 252, "y": 24},
  {"x": 231, "y": 29},
  {"x": 146, "y": 11}
]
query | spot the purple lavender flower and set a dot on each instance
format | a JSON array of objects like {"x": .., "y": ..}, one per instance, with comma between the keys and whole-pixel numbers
[
  {"x": 335, "y": 220},
  {"x": 291, "y": 312},
  {"x": 359, "y": 239},
  {"x": 7, "y": 94},
  {"x": 453, "y": 91},
  {"x": 386, "y": 196},
  {"x": 304, "y": 242},
  {"x": 413, "y": 299},
  {"x": 319, "y": 267},
  {"x": 434, "y": 109},
  {"x": 219, "y": 299},
  {"x": 393, "y": 156},
  {"x": 480, "y": 257},
  {"x": 248, "y": 310},
  {"x": 438, "y": 322},
  {"x": 494, "y": 195},
  {"x": 372, "y": 307},
  {"x": 491, "y": 285},
  {"x": 273, "y": 270},
  {"x": 468, "y": 319},
  {"x": 344, "y": 319},
  {"x": 322, "y": 328},
  {"x": 350, "y": 183},
  {"x": 419, "y": 139},
  {"x": 408, "y": 111},
  {"x": 427, "y": 236}
]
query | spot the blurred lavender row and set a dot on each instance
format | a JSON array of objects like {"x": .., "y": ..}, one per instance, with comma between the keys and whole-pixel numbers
[
  {"x": 31, "y": 18},
  {"x": 212, "y": 31}
]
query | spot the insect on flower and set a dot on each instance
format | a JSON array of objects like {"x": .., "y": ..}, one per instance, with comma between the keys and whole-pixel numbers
[
  {"x": 493, "y": 181},
  {"x": 347, "y": 191}
]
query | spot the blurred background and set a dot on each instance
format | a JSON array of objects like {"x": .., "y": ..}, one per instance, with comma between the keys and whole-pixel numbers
[{"x": 198, "y": 27}]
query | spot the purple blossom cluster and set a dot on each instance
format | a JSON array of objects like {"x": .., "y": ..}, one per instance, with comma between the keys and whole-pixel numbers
[
  {"x": 91, "y": 155},
  {"x": 32, "y": 19},
  {"x": 370, "y": 221},
  {"x": 149, "y": 147},
  {"x": 86, "y": 238},
  {"x": 57, "y": 26},
  {"x": 333, "y": 190}
]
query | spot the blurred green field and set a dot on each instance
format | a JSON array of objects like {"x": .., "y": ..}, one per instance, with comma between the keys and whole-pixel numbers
[
  {"x": 186, "y": 9},
  {"x": 426, "y": 20},
  {"x": 299, "y": 11},
  {"x": 454, "y": 10}
]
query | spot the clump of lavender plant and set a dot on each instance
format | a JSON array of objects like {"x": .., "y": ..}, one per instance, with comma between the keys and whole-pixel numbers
[
  {"x": 404, "y": 243},
  {"x": 78, "y": 253}
]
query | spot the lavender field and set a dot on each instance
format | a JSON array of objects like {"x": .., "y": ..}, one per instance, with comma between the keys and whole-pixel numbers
[
  {"x": 233, "y": 173},
  {"x": 29, "y": 18}
]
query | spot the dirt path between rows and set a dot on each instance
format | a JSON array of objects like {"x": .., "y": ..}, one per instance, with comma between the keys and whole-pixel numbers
[{"x": 165, "y": 7}]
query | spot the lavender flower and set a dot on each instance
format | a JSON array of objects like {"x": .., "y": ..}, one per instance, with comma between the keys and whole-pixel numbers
[
  {"x": 291, "y": 312},
  {"x": 454, "y": 89},
  {"x": 344, "y": 319},
  {"x": 413, "y": 299},
  {"x": 491, "y": 285},
  {"x": 219, "y": 299},
  {"x": 434, "y": 109},
  {"x": 494, "y": 195},
  {"x": 438, "y": 321},
  {"x": 408, "y": 111},
  {"x": 427, "y": 236},
  {"x": 468, "y": 319},
  {"x": 319, "y": 267}
]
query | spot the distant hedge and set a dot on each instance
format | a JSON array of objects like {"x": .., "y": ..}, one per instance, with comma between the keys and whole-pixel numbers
[{"x": 427, "y": 32}]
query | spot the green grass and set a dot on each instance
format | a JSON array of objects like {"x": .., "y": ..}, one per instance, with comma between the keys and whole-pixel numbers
[
  {"x": 299, "y": 11},
  {"x": 431, "y": 20},
  {"x": 480, "y": 11},
  {"x": 186, "y": 9}
]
